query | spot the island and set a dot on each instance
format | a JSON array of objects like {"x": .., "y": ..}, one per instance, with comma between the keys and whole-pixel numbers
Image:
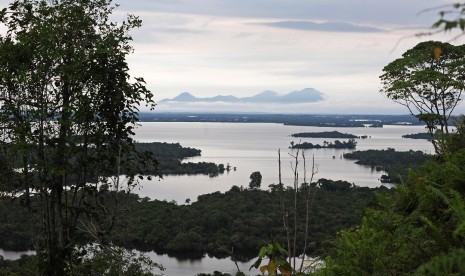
[
  {"x": 350, "y": 144},
  {"x": 171, "y": 155},
  {"x": 421, "y": 135},
  {"x": 395, "y": 163},
  {"x": 324, "y": 134}
]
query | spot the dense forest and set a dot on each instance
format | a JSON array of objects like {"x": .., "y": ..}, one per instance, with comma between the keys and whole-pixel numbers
[
  {"x": 417, "y": 231},
  {"x": 421, "y": 135},
  {"x": 349, "y": 144},
  {"x": 170, "y": 160},
  {"x": 396, "y": 163},
  {"x": 239, "y": 218}
]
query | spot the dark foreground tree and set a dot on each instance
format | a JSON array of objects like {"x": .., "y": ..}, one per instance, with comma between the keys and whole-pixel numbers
[
  {"x": 429, "y": 80},
  {"x": 67, "y": 113},
  {"x": 255, "y": 180}
]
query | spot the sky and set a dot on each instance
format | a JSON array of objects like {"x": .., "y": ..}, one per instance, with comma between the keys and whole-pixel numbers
[{"x": 244, "y": 47}]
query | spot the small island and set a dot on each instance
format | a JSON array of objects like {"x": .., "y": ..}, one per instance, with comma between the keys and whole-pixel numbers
[
  {"x": 170, "y": 157},
  {"x": 421, "y": 135},
  {"x": 350, "y": 144},
  {"x": 324, "y": 134},
  {"x": 394, "y": 163}
]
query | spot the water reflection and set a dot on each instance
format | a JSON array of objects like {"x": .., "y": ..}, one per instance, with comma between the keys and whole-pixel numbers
[
  {"x": 181, "y": 267},
  {"x": 174, "y": 265},
  {"x": 14, "y": 255}
]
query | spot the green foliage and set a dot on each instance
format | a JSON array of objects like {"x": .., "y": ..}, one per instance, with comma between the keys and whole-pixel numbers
[
  {"x": 450, "y": 263},
  {"x": 277, "y": 260},
  {"x": 255, "y": 180},
  {"x": 12, "y": 236},
  {"x": 25, "y": 265},
  {"x": 167, "y": 150},
  {"x": 421, "y": 135},
  {"x": 420, "y": 230},
  {"x": 456, "y": 13},
  {"x": 428, "y": 81},
  {"x": 170, "y": 156},
  {"x": 395, "y": 163},
  {"x": 240, "y": 218},
  {"x": 112, "y": 260},
  {"x": 350, "y": 144},
  {"x": 68, "y": 108},
  {"x": 456, "y": 139}
]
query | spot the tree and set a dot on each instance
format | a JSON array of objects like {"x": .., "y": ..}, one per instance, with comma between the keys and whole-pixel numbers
[
  {"x": 452, "y": 17},
  {"x": 255, "y": 180},
  {"x": 429, "y": 80},
  {"x": 419, "y": 230},
  {"x": 67, "y": 113}
]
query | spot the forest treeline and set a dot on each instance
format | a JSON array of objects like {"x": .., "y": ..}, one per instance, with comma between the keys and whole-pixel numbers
[
  {"x": 286, "y": 119},
  {"x": 170, "y": 159},
  {"x": 421, "y": 135},
  {"x": 242, "y": 219},
  {"x": 395, "y": 163},
  {"x": 419, "y": 230},
  {"x": 349, "y": 144},
  {"x": 324, "y": 134}
]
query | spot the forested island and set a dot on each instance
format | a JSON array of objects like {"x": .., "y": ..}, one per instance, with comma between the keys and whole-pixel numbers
[
  {"x": 350, "y": 144},
  {"x": 395, "y": 163},
  {"x": 324, "y": 134},
  {"x": 170, "y": 156},
  {"x": 421, "y": 135}
]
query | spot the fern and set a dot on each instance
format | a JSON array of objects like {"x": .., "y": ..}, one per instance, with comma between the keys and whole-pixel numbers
[{"x": 451, "y": 263}]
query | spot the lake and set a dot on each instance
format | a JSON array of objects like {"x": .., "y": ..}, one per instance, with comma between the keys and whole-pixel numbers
[{"x": 254, "y": 147}]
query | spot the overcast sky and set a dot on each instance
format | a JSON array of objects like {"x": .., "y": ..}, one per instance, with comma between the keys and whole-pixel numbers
[{"x": 243, "y": 47}]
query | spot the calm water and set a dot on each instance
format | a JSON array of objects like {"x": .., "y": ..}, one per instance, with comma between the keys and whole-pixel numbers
[
  {"x": 254, "y": 147},
  {"x": 190, "y": 267},
  {"x": 14, "y": 255}
]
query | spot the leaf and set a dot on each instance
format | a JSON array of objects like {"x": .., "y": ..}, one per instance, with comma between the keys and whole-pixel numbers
[
  {"x": 281, "y": 250},
  {"x": 256, "y": 264},
  {"x": 262, "y": 252},
  {"x": 269, "y": 250},
  {"x": 271, "y": 267},
  {"x": 284, "y": 271},
  {"x": 437, "y": 53}
]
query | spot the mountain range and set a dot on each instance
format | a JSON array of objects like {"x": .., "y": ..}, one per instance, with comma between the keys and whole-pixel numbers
[{"x": 307, "y": 95}]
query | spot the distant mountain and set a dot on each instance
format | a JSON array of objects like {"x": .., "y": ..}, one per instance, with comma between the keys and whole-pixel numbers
[
  {"x": 184, "y": 97},
  {"x": 307, "y": 95}
]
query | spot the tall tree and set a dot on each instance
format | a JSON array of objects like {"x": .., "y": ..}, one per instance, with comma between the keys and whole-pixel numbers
[
  {"x": 67, "y": 113},
  {"x": 255, "y": 180},
  {"x": 429, "y": 81}
]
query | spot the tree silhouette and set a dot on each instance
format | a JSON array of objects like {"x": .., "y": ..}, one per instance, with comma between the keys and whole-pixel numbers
[{"x": 255, "y": 180}]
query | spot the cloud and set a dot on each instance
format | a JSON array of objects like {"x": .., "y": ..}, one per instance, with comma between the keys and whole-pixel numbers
[
  {"x": 323, "y": 27},
  {"x": 393, "y": 12}
]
